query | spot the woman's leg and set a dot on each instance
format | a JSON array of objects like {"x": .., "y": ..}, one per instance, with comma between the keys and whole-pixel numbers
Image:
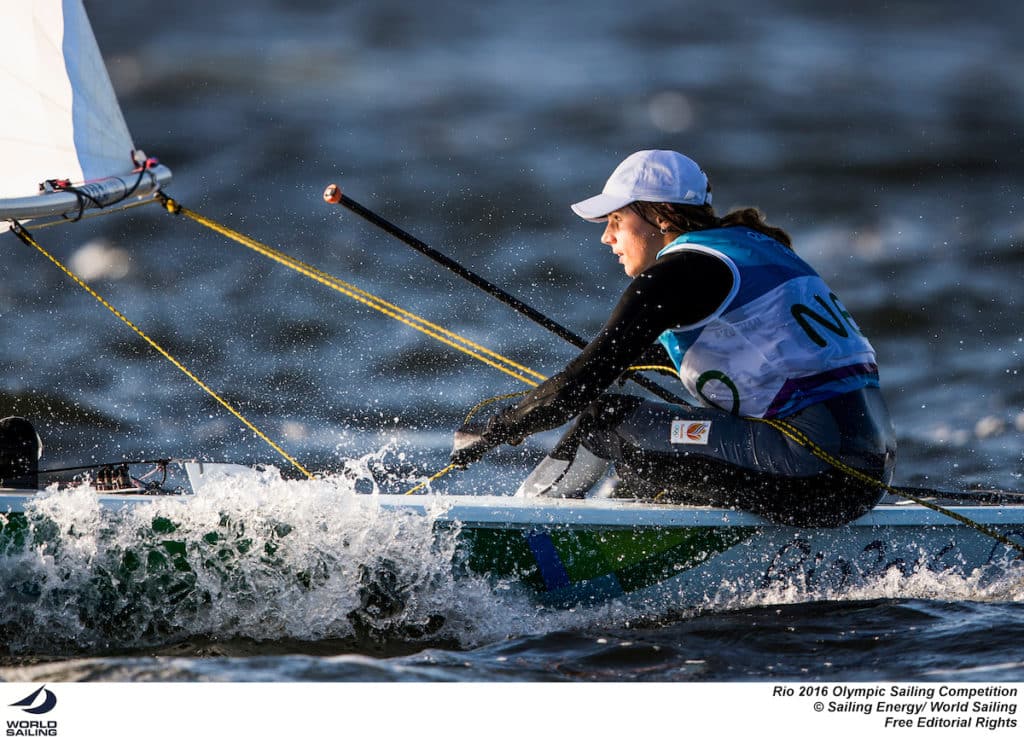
[
  {"x": 700, "y": 455},
  {"x": 704, "y": 456},
  {"x": 572, "y": 468}
]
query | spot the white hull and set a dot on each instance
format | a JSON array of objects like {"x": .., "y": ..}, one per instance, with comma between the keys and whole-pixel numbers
[{"x": 590, "y": 551}]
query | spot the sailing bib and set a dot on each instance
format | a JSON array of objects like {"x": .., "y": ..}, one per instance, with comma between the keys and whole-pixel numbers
[{"x": 780, "y": 341}]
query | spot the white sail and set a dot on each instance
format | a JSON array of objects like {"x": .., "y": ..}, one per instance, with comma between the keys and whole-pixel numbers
[{"x": 59, "y": 116}]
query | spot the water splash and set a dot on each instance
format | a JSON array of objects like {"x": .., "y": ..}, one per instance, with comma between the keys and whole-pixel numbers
[
  {"x": 260, "y": 557},
  {"x": 1000, "y": 582},
  {"x": 267, "y": 559}
]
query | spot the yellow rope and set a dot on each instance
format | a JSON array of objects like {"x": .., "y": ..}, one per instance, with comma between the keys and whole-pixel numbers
[
  {"x": 663, "y": 369},
  {"x": 801, "y": 439},
  {"x": 435, "y": 477},
  {"x": 453, "y": 340},
  {"x": 27, "y": 238},
  {"x": 490, "y": 400},
  {"x": 464, "y": 345}
]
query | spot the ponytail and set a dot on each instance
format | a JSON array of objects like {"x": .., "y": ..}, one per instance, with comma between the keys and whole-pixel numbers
[{"x": 753, "y": 218}]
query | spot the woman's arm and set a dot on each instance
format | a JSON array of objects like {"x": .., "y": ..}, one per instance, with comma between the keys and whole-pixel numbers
[{"x": 679, "y": 289}]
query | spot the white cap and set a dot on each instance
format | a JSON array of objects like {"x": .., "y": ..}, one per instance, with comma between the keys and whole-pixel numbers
[{"x": 649, "y": 176}]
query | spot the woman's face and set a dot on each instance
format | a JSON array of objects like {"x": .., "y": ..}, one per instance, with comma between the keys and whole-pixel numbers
[{"x": 634, "y": 240}]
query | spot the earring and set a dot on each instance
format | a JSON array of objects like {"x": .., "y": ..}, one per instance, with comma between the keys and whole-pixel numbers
[{"x": 664, "y": 231}]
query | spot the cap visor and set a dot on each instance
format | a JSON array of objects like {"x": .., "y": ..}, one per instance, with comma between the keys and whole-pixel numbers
[{"x": 598, "y": 207}]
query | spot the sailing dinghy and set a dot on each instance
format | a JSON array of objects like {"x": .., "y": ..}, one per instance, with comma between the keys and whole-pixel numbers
[{"x": 66, "y": 149}]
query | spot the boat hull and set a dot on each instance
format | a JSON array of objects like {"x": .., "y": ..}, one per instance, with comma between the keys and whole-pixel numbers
[
  {"x": 572, "y": 552},
  {"x": 566, "y": 552}
]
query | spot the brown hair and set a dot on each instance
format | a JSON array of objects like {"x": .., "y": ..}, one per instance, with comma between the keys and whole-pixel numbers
[{"x": 702, "y": 217}]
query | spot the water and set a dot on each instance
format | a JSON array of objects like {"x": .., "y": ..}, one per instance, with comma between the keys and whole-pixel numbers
[{"x": 885, "y": 140}]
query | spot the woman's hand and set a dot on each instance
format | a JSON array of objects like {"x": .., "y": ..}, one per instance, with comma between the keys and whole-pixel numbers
[
  {"x": 469, "y": 447},
  {"x": 473, "y": 440}
]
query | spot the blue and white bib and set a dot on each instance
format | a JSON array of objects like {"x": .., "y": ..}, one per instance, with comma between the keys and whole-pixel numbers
[{"x": 780, "y": 341}]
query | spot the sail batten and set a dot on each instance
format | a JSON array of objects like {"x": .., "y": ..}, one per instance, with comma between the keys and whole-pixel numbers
[{"x": 59, "y": 115}]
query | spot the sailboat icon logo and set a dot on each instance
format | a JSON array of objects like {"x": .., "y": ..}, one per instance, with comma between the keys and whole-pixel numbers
[{"x": 49, "y": 701}]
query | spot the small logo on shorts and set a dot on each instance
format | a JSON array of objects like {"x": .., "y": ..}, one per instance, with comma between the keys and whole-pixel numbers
[{"x": 689, "y": 432}]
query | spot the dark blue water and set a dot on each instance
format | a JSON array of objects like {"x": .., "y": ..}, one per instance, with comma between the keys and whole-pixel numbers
[{"x": 885, "y": 139}]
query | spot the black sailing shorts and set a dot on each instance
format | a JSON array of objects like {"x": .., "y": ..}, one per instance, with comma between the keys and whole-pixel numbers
[{"x": 700, "y": 455}]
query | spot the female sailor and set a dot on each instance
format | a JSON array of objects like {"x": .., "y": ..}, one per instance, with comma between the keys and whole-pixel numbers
[{"x": 755, "y": 336}]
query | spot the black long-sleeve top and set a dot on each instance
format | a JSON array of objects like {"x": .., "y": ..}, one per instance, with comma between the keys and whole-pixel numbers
[{"x": 679, "y": 289}]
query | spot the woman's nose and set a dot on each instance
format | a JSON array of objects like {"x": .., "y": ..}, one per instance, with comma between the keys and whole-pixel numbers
[{"x": 607, "y": 238}]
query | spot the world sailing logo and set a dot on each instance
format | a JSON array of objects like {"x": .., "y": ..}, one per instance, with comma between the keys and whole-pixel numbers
[
  {"x": 49, "y": 701},
  {"x": 40, "y": 701}
]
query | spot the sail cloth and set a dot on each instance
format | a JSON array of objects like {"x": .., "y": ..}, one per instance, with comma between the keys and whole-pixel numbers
[{"x": 59, "y": 116}]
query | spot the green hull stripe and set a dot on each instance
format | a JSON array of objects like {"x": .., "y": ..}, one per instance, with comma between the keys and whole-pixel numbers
[
  {"x": 700, "y": 546},
  {"x": 635, "y": 558}
]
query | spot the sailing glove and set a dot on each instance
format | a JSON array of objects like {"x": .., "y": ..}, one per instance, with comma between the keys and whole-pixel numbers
[{"x": 472, "y": 440}]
